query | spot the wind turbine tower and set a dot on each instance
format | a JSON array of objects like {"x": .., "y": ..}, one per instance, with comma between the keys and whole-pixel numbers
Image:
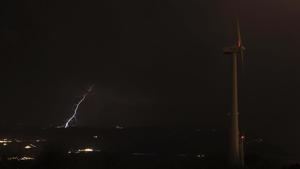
[{"x": 236, "y": 52}]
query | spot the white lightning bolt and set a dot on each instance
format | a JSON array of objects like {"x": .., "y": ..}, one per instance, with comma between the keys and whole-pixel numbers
[{"x": 73, "y": 117}]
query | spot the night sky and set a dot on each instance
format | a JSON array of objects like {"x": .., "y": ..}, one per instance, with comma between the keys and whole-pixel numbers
[{"x": 153, "y": 63}]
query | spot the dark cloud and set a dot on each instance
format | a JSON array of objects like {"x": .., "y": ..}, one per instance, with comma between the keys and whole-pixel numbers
[{"x": 153, "y": 63}]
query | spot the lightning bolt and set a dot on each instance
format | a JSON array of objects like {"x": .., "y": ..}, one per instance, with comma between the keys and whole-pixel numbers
[{"x": 83, "y": 97}]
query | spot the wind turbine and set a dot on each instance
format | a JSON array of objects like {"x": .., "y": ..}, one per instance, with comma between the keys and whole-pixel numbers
[{"x": 235, "y": 51}]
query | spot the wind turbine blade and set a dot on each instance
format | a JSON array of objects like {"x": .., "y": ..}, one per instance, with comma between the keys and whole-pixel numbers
[
  {"x": 240, "y": 46},
  {"x": 239, "y": 36}
]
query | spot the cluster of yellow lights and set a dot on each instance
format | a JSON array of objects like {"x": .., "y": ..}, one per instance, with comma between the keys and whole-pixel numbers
[
  {"x": 5, "y": 141},
  {"x": 28, "y": 147},
  {"x": 86, "y": 150},
  {"x": 20, "y": 159}
]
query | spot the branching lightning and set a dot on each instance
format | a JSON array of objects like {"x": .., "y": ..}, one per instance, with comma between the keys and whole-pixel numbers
[{"x": 83, "y": 97}]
